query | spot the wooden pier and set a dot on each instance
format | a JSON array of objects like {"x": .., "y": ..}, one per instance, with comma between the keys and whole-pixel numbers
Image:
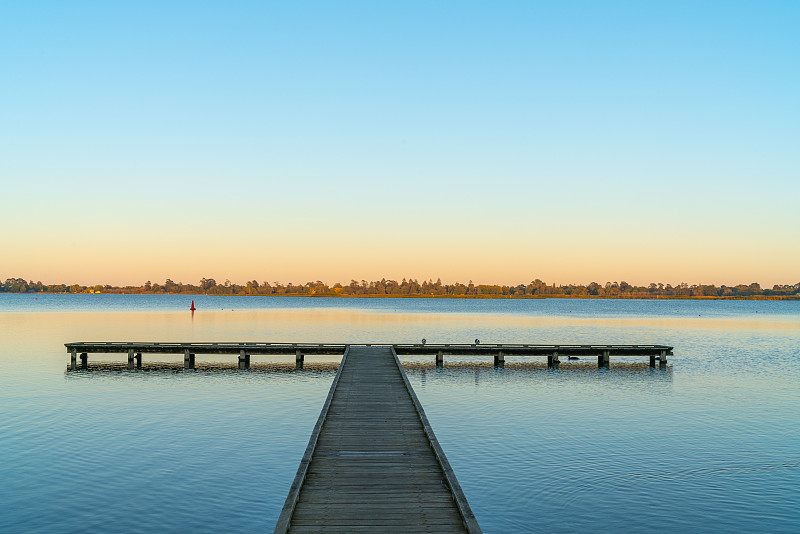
[
  {"x": 135, "y": 350},
  {"x": 373, "y": 463},
  {"x": 498, "y": 352},
  {"x": 553, "y": 353}
]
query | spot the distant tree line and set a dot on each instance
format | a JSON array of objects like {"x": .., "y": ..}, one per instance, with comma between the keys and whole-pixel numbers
[{"x": 413, "y": 288}]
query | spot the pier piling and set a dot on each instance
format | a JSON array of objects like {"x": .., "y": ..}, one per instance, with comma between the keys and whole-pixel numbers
[
  {"x": 603, "y": 360},
  {"x": 188, "y": 360},
  {"x": 244, "y": 360},
  {"x": 499, "y": 359}
]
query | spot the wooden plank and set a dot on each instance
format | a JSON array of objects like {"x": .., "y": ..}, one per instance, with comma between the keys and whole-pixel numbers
[
  {"x": 355, "y": 514},
  {"x": 330, "y": 497},
  {"x": 371, "y": 529},
  {"x": 393, "y": 503},
  {"x": 377, "y": 525}
]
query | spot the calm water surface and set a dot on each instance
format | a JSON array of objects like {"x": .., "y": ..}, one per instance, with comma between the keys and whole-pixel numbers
[{"x": 711, "y": 444}]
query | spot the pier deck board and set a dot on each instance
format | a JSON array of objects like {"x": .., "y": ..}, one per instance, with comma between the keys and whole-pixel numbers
[{"x": 371, "y": 464}]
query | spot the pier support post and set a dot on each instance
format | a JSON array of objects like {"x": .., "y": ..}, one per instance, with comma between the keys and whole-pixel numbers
[
  {"x": 131, "y": 363},
  {"x": 602, "y": 360},
  {"x": 188, "y": 359},
  {"x": 73, "y": 360},
  {"x": 84, "y": 360},
  {"x": 662, "y": 360},
  {"x": 244, "y": 360},
  {"x": 299, "y": 358},
  {"x": 138, "y": 359},
  {"x": 440, "y": 358},
  {"x": 553, "y": 361},
  {"x": 652, "y": 361},
  {"x": 499, "y": 359}
]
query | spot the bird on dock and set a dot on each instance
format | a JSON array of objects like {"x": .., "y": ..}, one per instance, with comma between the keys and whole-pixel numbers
[
  {"x": 477, "y": 341},
  {"x": 424, "y": 340}
]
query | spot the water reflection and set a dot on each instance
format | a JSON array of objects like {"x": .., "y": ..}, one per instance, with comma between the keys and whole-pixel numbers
[
  {"x": 708, "y": 444},
  {"x": 476, "y": 373},
  {"x": 258, "y": 371},
  {"x": 537, "y": 374},
  {"x": 354, "y": 326}
]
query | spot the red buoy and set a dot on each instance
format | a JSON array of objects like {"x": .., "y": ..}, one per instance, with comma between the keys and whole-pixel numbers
[{"x": 192, "y": 308}]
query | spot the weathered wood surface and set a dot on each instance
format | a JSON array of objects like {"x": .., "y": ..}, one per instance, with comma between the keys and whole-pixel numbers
[
  {"x": 373, "y": 463},
  {"x": 513, "y": 349},
  {"x": 497, "y": 351},
  {"x": 508, "y": 349},
  {"x": 206, "y": 348}
]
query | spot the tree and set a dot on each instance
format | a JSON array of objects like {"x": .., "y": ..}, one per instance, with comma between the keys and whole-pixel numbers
[
  {"x": 207, "y": 283},
  {"x": 709, "y": 291}
]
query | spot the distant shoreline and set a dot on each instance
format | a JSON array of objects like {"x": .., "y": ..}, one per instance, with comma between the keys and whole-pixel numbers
[
  {"x": 412, "y": 288},
  {"x": 439, "y": 297}
]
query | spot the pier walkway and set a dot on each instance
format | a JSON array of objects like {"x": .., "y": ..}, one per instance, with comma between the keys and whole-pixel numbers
[{"x": 373, "y": 463}]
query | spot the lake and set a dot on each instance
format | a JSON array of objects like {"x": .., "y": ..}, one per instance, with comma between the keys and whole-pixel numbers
[{"x": 710, "y": 444}]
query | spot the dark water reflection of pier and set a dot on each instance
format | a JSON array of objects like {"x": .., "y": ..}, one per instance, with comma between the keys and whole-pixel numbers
[
  {"x": 520, "y": 374},
  {"x": 477, "y": 374}
]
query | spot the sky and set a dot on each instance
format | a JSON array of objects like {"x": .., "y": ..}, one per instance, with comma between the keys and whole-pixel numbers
[{"x": 497, "y": 142}]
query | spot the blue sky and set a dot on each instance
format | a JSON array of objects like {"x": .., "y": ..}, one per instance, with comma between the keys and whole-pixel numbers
[{"x": 570, "y": 141}]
